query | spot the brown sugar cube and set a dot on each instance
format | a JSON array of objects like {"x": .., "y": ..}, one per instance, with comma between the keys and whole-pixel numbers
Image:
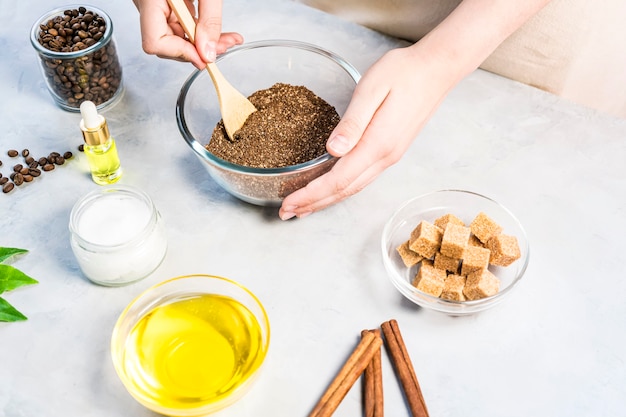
[
  {"x": 453, "y": 288},
  {"x": 446, "y": 219},
  {"x": 454, "y": 240},
  {"x": 475, "y": 258},
  {"x": 409, "y": 257},
  {"x": 446, "y": 263},
  {"x": 473, "y": 241},
  {"x": 430, "y": 280},
  {"x": 483, "y": 227},
  {"x": 504, "y": 250},
  {"x": 425, "y": 239},
  {"x": 481, "y": 284}
]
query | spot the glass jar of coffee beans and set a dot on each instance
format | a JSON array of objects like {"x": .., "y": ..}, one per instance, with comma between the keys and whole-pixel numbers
[{"x": 78, "y": 56}]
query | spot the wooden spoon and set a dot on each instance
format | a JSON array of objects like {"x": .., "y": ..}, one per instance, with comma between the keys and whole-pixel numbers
[{"x": 234, "y": 106}]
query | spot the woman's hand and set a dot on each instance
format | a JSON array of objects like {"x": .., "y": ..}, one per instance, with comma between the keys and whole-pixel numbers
[
  {"x": 399, "y": 93},
  {"x": 391, "y": 103},
  {"x": 163, "y": 36}
]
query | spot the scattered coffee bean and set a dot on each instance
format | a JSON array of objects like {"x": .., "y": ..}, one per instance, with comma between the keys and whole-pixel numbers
[
  {"x": 81, "y": 148},
  {"x": 0, "y": 163},
  {"x": 18, "y": 179},
  {"x": 94, "y": 76},
  {"x": 29, "y": 170}
]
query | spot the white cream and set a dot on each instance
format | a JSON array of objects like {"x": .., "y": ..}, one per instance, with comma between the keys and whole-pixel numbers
[{"x": 117, "y": 236}]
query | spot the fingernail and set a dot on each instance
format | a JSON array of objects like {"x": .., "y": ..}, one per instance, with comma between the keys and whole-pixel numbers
[
  {"x": 209, "y": 50},
  {"x": 287, "y": 215},
  {"x": 339, "y": 144}
]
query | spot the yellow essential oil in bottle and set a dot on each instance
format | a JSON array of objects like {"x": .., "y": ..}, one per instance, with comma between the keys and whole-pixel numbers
[
  {"x": 100, "y": 148},
  {"x": 193, "y": 352}
]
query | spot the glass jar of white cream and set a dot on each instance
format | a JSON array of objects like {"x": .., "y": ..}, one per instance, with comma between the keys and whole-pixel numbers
[{"x": 117, "y": 235}]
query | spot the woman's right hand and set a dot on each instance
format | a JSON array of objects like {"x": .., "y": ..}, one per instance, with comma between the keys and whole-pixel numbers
[{"x": 163, "y": 36}]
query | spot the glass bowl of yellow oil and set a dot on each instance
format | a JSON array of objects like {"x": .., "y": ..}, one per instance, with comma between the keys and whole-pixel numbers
[{"x": 191, "y": 345}]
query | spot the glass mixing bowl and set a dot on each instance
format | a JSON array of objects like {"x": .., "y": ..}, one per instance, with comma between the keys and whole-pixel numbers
[{"x": 249, "y": 68}]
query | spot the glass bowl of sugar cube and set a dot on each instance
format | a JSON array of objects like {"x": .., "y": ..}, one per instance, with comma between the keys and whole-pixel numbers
[{"x": 454, "y": 251}]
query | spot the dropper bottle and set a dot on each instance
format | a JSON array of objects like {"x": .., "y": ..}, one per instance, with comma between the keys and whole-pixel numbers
[{"x": 99, "y": 147}]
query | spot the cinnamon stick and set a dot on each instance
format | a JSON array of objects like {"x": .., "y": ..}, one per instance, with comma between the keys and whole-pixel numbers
[
  {"x": 373, "y": 384},
  {"x": 404, "y": 368},
  {"x": 362, "y": 355}
]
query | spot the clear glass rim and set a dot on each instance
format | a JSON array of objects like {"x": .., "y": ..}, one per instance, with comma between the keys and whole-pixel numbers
[
  {"x": 201, "y": 151},
  {"x": 34, "y": 32}
]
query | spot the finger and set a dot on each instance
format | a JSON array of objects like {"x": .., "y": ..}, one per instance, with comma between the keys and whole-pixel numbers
[
  {"x": 209, "y": 28},
  {"x": 161, "y": 35},
  {"x": 228, "y": 40},
  {"x": 366, "y": 99},
  {"x": 315, "y": 196}
]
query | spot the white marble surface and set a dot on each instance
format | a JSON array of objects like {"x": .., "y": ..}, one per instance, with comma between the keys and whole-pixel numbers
[{"x": 556, "y": 347}]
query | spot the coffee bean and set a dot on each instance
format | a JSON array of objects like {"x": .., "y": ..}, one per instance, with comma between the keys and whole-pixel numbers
[
  {"x": 13, "y": 153},
  {"x": 67, "y": 155},
  {"x": 48, "y": 167},
  {"x": 12, "y": 176},
  {"x": 34, "y": 172},
  {"x": 28, "y": 178},
  {"x": 3, "y": 180},
  {"x": 17, "y": 167},
  {"x": 25, "y": 153},
  {"x": 24, "y": 171},
  {"x": 81, "y": 148},
  {"x": 59, "y": 160},
  {"x": 0, "y": 163},
  {"x": 33, "y": 164},
  {"x": 29, "y": 160},
  {"x": 18, "y": 179},
  {"x": 7, "y": 187},
  {"x": 42, "y": 161}
]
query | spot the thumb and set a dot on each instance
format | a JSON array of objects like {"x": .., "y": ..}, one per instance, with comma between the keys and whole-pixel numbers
[{"x": 364, "y": 104}]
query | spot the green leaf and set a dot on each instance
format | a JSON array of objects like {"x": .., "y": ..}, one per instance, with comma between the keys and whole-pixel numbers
[
  {"x": 9, "y": 313},
  {"x": 12, "y": 278},
  {"x": 6, "y": 253}
]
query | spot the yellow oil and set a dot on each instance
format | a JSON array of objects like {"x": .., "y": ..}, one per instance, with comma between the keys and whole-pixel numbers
[
  {"x": 193, "y": 352},
  {"x": 104, "y": 162}
]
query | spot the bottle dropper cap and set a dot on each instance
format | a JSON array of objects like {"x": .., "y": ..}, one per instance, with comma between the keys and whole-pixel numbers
[{"x": 93, "y": 125}]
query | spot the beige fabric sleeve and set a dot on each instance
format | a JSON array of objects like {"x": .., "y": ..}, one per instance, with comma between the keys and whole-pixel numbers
[{"x": 573, "y": 48}]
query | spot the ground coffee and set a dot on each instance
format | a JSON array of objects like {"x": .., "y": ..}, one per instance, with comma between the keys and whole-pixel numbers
[{"x": 291, "y": 126}]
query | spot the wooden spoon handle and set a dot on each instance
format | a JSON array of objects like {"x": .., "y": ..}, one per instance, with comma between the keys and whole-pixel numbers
[{"x": 185, "y": 18}]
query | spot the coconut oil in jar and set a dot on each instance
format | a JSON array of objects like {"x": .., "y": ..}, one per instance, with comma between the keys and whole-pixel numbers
[
  {"x": 193, "y": 352},
  {"x": 117, "y": 235}
]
